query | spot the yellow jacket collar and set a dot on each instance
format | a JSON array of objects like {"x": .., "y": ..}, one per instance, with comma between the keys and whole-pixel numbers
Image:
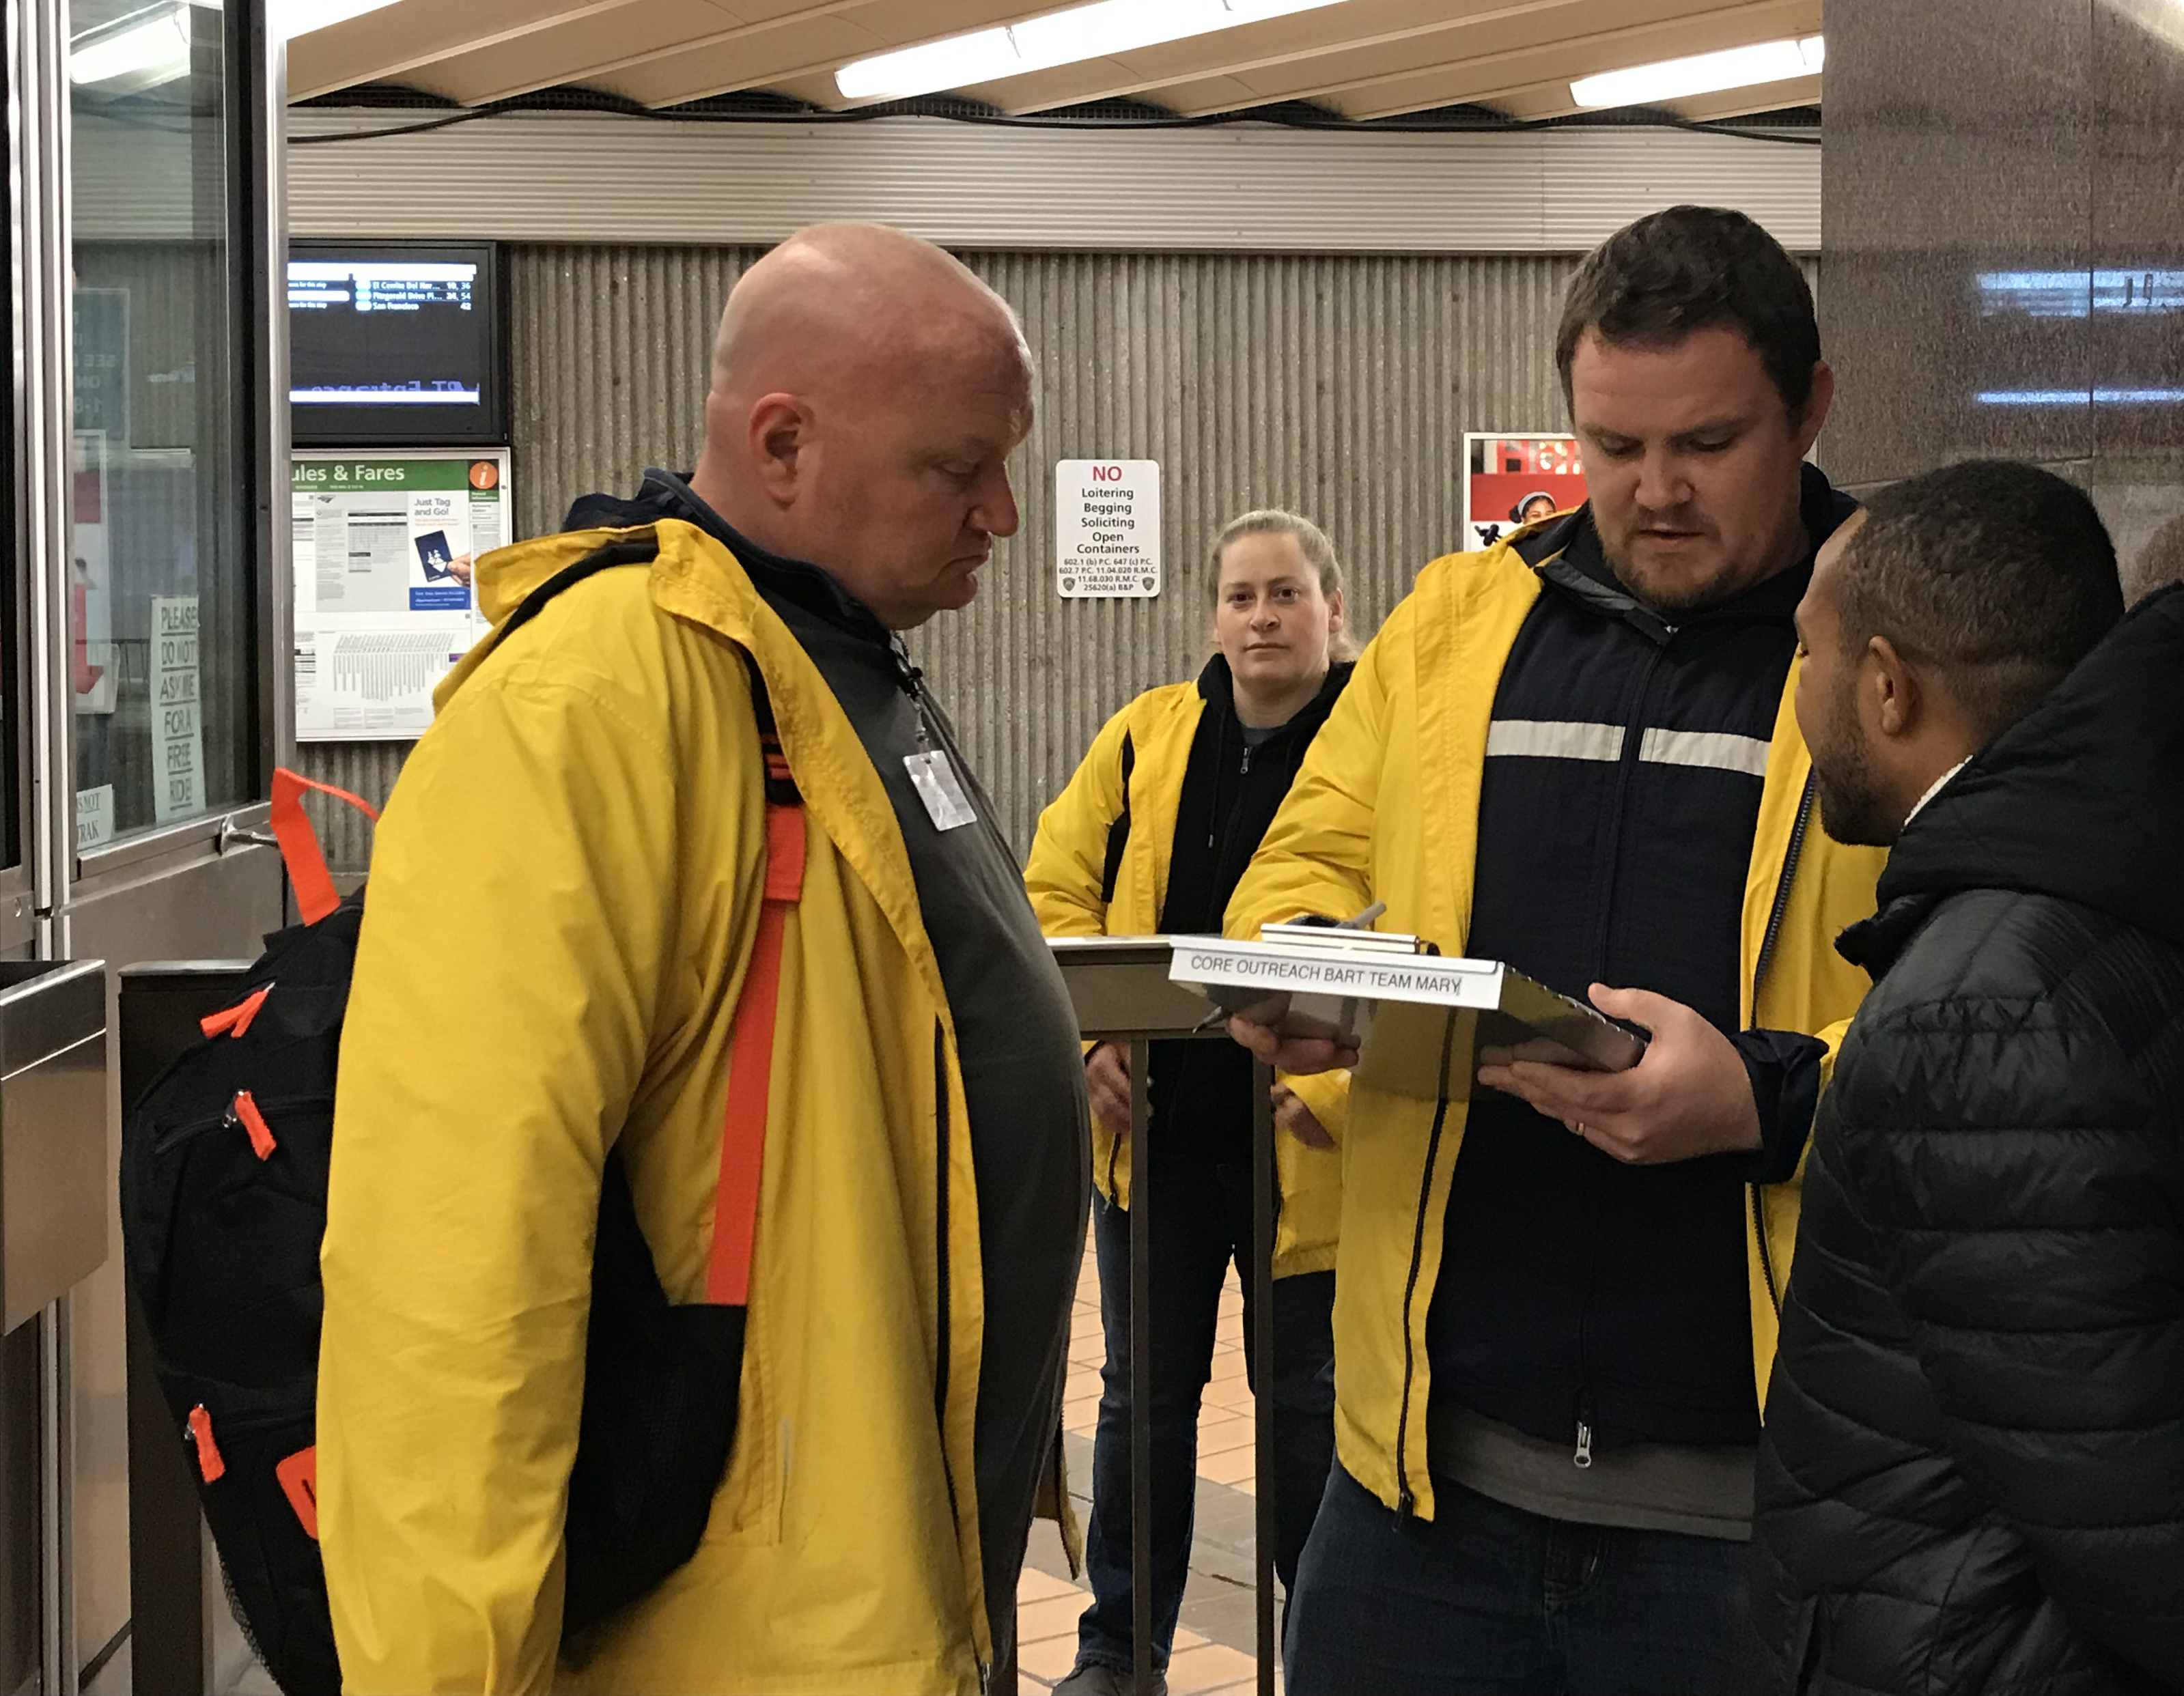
[{"x": 696, "y": 579}]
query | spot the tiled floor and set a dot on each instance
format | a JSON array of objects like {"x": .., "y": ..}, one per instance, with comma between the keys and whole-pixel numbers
[{"x": 1214, "y": 1643}]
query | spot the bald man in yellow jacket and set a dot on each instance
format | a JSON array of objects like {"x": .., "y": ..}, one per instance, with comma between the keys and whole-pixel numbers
[{"x": 562, "y": 915}]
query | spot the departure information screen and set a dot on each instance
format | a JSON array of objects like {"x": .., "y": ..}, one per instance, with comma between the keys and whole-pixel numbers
[{"x": 387, "y": 333}]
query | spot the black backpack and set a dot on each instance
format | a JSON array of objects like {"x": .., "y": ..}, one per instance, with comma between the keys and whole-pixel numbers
[{"x": 224, "y": 1167}]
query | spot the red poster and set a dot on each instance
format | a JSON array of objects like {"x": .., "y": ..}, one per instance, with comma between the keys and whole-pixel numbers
[{"x": 1511, "y": 480}]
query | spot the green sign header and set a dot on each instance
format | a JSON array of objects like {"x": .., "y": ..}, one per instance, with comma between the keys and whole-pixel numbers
[{"x": 481, "y": 477}]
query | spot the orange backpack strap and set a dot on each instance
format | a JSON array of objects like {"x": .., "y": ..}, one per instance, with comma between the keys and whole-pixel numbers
[
  {"x": 751, "y": 1049},
  {"x": 299, "y": 843}
]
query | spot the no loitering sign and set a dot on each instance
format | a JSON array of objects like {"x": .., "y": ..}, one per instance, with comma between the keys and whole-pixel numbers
[{"x": 1107, "y": 528}]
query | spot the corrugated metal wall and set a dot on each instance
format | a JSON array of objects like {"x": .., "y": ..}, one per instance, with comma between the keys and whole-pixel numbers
[
  {"x": 1268, "y": 188},
  {"x": 1341, "y": 387}
]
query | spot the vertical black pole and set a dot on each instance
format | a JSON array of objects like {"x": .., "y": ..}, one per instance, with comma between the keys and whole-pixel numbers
[
  {"x": 1263, "y": 1201},
  {"x": 1141, "y": 1349}
]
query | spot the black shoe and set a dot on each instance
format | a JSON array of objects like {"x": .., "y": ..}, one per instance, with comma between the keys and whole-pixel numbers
[{"x": 1097, "y": 1678}]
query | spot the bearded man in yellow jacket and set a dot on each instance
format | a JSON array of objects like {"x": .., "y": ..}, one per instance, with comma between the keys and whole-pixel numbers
[
  {"x": 1556, "y": 1300},
  {"x": 563, "y": 911}
]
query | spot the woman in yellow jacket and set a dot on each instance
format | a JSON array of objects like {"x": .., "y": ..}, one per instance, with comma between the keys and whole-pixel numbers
[{"x": 1150, "y": 835}]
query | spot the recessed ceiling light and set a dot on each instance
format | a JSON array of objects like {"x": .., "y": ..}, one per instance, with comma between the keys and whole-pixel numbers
[
  {"x": 1675, "y": 78},
  {"x": 1082, "y": 32}
]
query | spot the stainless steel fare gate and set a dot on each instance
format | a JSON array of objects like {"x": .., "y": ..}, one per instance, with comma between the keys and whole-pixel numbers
[{"x": 1122, "y": 992}]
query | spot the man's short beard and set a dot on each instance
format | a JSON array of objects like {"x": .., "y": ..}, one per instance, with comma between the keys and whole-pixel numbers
[
  {"x": 1852, "y": 810},
  {"x": 1681, "y": 598}
]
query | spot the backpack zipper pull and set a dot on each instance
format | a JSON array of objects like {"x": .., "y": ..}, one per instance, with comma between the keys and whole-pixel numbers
[
  {"x": 198, "y": 1431},
  {"x": 1583, "y": 1457},
  {"x": 243, "y": 1111}
]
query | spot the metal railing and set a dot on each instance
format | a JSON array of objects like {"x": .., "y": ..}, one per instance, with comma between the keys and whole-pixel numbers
[{"x": 1120, "y": 989}]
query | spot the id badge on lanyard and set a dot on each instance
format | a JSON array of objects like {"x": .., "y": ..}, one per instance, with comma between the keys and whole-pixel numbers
[{"x": 933, "y": 775}]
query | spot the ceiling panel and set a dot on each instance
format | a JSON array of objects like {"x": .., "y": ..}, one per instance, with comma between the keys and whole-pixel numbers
[
  {"x": 1742, "y": 102},
  {"x": 381, "y": 46},
  {"x": 1362, "y": 58},
  {"x": 1481, "y": 64},
  {"x": 568, "y": 53},
  {"x": 875, "y": 27},
  {"x": 1487, "y": 78},
  {"x": 1551, "y": 99},
  {"x": 1413, "y": 32}
]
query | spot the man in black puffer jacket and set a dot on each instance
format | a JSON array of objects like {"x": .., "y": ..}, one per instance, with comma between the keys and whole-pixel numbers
[{"x": 1973, "y": 1473}]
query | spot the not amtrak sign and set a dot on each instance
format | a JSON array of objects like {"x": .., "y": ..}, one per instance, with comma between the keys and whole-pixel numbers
[{"x": 1107, "y": 528}]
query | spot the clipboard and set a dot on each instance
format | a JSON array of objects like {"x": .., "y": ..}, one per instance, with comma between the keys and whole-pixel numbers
[{"x": 1420, "y": 1019}]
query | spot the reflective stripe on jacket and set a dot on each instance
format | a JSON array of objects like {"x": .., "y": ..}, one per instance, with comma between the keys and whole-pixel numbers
[
  {"x": 564, "y": 893},
  {"x": 1067, "y": 878},
  {"x": 1386, "y": 808}
]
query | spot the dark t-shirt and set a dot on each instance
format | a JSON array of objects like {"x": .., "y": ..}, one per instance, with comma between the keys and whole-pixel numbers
[{"x": 1015, "y": 1033}]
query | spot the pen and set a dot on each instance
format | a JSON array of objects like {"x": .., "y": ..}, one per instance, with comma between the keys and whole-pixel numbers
[{"x": 1362, "y": 921}]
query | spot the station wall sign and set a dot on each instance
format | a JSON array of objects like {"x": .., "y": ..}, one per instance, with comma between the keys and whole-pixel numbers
[
  {"x": 1512, "y": 479},
  {"x": 384, "y": 542},
  {"x": 1107, "y": 529}
]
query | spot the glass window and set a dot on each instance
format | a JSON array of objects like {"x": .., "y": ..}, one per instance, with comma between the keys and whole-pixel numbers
[{"x": 162, "y": 601}]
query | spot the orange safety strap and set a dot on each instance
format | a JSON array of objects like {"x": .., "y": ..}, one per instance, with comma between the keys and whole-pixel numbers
[
  {"x": 299, "y": 1482},
  {"x": 210, "y": 1467},
  {"x": 299, "y": 843},
  {"x": 750, "y": 1056},
  {"x": 253, "y": 1121},
  {"x": 234, "y": 1021}
]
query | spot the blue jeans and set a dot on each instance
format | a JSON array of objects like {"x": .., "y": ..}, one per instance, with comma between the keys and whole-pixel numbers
[
  {"x": 1486, "y": 1599},
  {"x": 1202, "y": 1219}
]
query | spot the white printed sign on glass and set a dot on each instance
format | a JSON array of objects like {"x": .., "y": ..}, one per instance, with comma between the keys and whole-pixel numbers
[{"x": 177, "y": 712}]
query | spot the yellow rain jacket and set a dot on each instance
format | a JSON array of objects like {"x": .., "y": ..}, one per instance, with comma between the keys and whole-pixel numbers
[
  {"x": 1065, "y": 875},
  {"x": 564, "y": 894},
  {"x": 1386, "y": 808}
]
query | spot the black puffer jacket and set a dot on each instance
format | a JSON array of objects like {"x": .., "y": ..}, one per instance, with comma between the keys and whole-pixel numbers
[{"x": 1973, "y": 1476}]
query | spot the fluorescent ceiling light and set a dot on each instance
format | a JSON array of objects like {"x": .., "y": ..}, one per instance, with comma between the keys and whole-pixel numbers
[
  {"x": 149, "y": 52},
  {"x": 1652, "y": 85},
  {"x": 292, "y": 18},
  {"x": 1083, "y": 32}
]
